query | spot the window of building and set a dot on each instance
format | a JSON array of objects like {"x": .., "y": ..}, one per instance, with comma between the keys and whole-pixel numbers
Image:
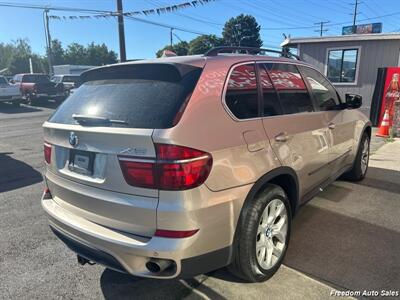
[
  {"x": 324, "y": 93},
  {"x": 292, "y": 91},
  {"x": 241, "y": 94},
  {"x": 271, "y": 105},
  {"x": 342, "y": 65}
]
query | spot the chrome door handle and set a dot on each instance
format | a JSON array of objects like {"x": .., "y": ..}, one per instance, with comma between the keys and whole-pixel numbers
[
  {"x": 281, "y": 137},
  {"x": 331, "y": 126}
]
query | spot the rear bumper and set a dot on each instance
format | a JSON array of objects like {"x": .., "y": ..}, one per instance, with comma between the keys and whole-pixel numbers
[
  {"x": 128, "y": 253},
  {"x": 189, "y": 267}
]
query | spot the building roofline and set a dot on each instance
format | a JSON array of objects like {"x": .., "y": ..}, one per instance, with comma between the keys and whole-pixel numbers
[{"x": 341, "y": 38}]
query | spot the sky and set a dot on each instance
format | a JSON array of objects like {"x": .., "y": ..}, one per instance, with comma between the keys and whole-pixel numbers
[{"x": 294, "y": 17}]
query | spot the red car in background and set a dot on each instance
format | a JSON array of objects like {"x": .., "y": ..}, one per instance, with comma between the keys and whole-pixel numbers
[{"x": 36, "y": 86}]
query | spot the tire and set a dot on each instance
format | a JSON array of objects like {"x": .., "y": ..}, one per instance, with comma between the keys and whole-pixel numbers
[
  {"x": 360, "y": 166},
  {"x": 254, "y": 231},
  {"x": 30, "y": 100}
]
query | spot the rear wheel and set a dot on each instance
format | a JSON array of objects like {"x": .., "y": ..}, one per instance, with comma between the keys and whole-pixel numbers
[
  {"x": 263, "y": 235},
  {"x": 361, "y": 161}
]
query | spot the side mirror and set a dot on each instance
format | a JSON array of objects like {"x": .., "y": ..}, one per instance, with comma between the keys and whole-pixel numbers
[
  {"x": 12, "y": 81},
  {"x": 353, "y": 101}
]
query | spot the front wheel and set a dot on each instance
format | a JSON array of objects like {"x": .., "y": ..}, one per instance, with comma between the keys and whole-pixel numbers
[
  {"x": 361, "y": 161},
  {"x": 262, "y": 235}
]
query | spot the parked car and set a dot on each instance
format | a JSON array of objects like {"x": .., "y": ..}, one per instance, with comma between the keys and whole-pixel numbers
[
  {"x": 69, "y": 81},
  {"x": 38, "y": 86},
  {"x": 9, "y": 93},
  {"x": 178, "y": 166}
]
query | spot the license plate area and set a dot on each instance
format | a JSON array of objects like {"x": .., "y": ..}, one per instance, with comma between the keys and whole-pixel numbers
[{"x": 81, "y": 162}]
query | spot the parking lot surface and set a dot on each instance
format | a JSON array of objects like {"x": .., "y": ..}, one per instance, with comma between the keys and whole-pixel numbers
[{"x": 347, "y": 238}]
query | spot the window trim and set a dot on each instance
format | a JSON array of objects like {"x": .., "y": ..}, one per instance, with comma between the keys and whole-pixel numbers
[
  {"x": 358, "y": 48},
  {"x": 225, "y": 88},
  {"x": 256, "y": 62},
  {"x": 305, "y": 84},
  {"x": 316, "y": 106}
]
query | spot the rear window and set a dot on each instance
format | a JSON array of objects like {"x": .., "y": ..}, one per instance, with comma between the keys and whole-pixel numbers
[
  {"x": 70, "y": 79},
  {"x": 35, "y": 78},
  {"x": 141, "y": 96}
]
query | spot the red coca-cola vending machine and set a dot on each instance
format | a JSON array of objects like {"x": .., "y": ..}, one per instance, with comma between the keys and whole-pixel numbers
[{"x": 387, "y": 91}]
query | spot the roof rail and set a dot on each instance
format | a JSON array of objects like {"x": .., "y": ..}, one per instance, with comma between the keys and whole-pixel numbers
[{"x": 250, "y": 50}]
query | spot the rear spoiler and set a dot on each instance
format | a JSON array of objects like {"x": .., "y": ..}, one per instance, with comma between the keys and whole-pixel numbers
[{"x": 170, "y": 72}]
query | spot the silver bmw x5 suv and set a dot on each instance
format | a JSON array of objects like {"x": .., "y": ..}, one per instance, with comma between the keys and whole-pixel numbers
[{"x": 178, "y": 166}]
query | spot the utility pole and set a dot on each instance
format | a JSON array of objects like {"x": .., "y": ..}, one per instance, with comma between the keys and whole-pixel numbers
[
  {"x": 170, "y": 37},
  {"x": 355, "y": 15},
  {"x": 321, "y": 30},
  {"x": 121, "y": 32},
  {"x": 48, "y": 41}
]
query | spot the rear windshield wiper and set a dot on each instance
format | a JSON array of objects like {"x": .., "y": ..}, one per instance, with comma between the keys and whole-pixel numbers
[{"x": 87, "y": 120}]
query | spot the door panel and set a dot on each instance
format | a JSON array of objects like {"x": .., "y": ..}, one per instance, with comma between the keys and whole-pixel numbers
[
  {"x": 298, "y": 135},
  {"x": 342, "y": 139},
  {"x": 306, "y": 149},
  {"x": 340, "y": 130}
]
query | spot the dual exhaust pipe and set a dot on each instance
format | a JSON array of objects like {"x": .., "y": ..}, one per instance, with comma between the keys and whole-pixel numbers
[{"x": 154, "y": 265}]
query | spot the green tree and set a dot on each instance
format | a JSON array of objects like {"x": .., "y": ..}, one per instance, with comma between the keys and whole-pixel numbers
[
  {"x": 98, "y": 55},
  {"x": 6, "y": 54},
  {"x": 181, "y": 48},
  {"x": 242, "y": 30},
  {"x": 76, "y": 54},
  {"x": 15, "y": 57},
  {"x": 58, "y": 53},
  {"x": 203, "y": 43}
]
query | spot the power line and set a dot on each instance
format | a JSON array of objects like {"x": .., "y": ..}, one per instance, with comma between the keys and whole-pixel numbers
[
  {"x": 57, "y": 8},
  {"x": 321, "y": 30}
]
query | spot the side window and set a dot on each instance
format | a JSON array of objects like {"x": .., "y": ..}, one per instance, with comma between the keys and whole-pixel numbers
[
  {"x": 241, "y": 94},
  {"x": 324, "y": 94},
  {"x": 291, "y": 89},
  {"x": 271, "y": 105},
  {"x": 17, "y": 78}
]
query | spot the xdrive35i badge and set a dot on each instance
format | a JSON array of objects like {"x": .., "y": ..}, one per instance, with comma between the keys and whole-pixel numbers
[{"x": 73, "y": 139}]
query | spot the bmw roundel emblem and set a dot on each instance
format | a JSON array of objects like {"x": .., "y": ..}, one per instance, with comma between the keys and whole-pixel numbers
[{"x": 73, "y": 139}]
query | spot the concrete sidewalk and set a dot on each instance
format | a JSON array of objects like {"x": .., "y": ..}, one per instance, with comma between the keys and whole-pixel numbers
[{"x": 349, "y": 235}]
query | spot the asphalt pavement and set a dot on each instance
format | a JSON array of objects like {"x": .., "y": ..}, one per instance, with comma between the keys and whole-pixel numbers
[{"x": 347, "y": 238}]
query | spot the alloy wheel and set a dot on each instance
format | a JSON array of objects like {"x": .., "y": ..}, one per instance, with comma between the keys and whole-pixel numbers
[
  {"x": 271, "y": 234},
  {"x": 364, "y": 156}
]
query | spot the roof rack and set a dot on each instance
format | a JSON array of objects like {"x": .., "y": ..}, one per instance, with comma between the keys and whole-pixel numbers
[{"x": 250, "y": 50}]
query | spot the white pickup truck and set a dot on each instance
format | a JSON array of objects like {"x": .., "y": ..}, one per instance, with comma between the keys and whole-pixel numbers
[{"x": 9, "y": 93}]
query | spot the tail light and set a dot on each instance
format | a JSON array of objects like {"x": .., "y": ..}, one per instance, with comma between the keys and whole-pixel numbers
[
  {"x": 175, "y": 234},
  {"x": 47, "y": 152},
  {"x": 176, "y": 168}
]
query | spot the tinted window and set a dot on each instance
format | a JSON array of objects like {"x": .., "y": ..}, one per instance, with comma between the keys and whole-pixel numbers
[
  {"x": 35, "y": 78},
  {"x": 290, "y": 86},
  {"x": 142, "y": 103},
  {"x": 241, "y": 94},
  {"x": 271, "y": 106},
  {"x": 324, "y": 94},
  {"x": 56, "y": 79},
  {"x": 70, "y": 79},
  {"x": 342, "y": 65},
  {"x": 17, "y": 78},
  {"x": 3, "y": 80}
]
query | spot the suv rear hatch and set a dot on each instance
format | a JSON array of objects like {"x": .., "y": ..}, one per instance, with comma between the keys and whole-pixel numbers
[{"x": 113, "y": 116}]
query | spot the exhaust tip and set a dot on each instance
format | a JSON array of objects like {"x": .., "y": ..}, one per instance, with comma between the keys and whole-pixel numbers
[
  {"x": 156, "y": 265},
  {"x": 153, "y": 267}
]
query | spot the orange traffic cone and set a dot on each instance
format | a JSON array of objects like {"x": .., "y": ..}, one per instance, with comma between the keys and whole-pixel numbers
[{"x": 383, "y": 130}]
